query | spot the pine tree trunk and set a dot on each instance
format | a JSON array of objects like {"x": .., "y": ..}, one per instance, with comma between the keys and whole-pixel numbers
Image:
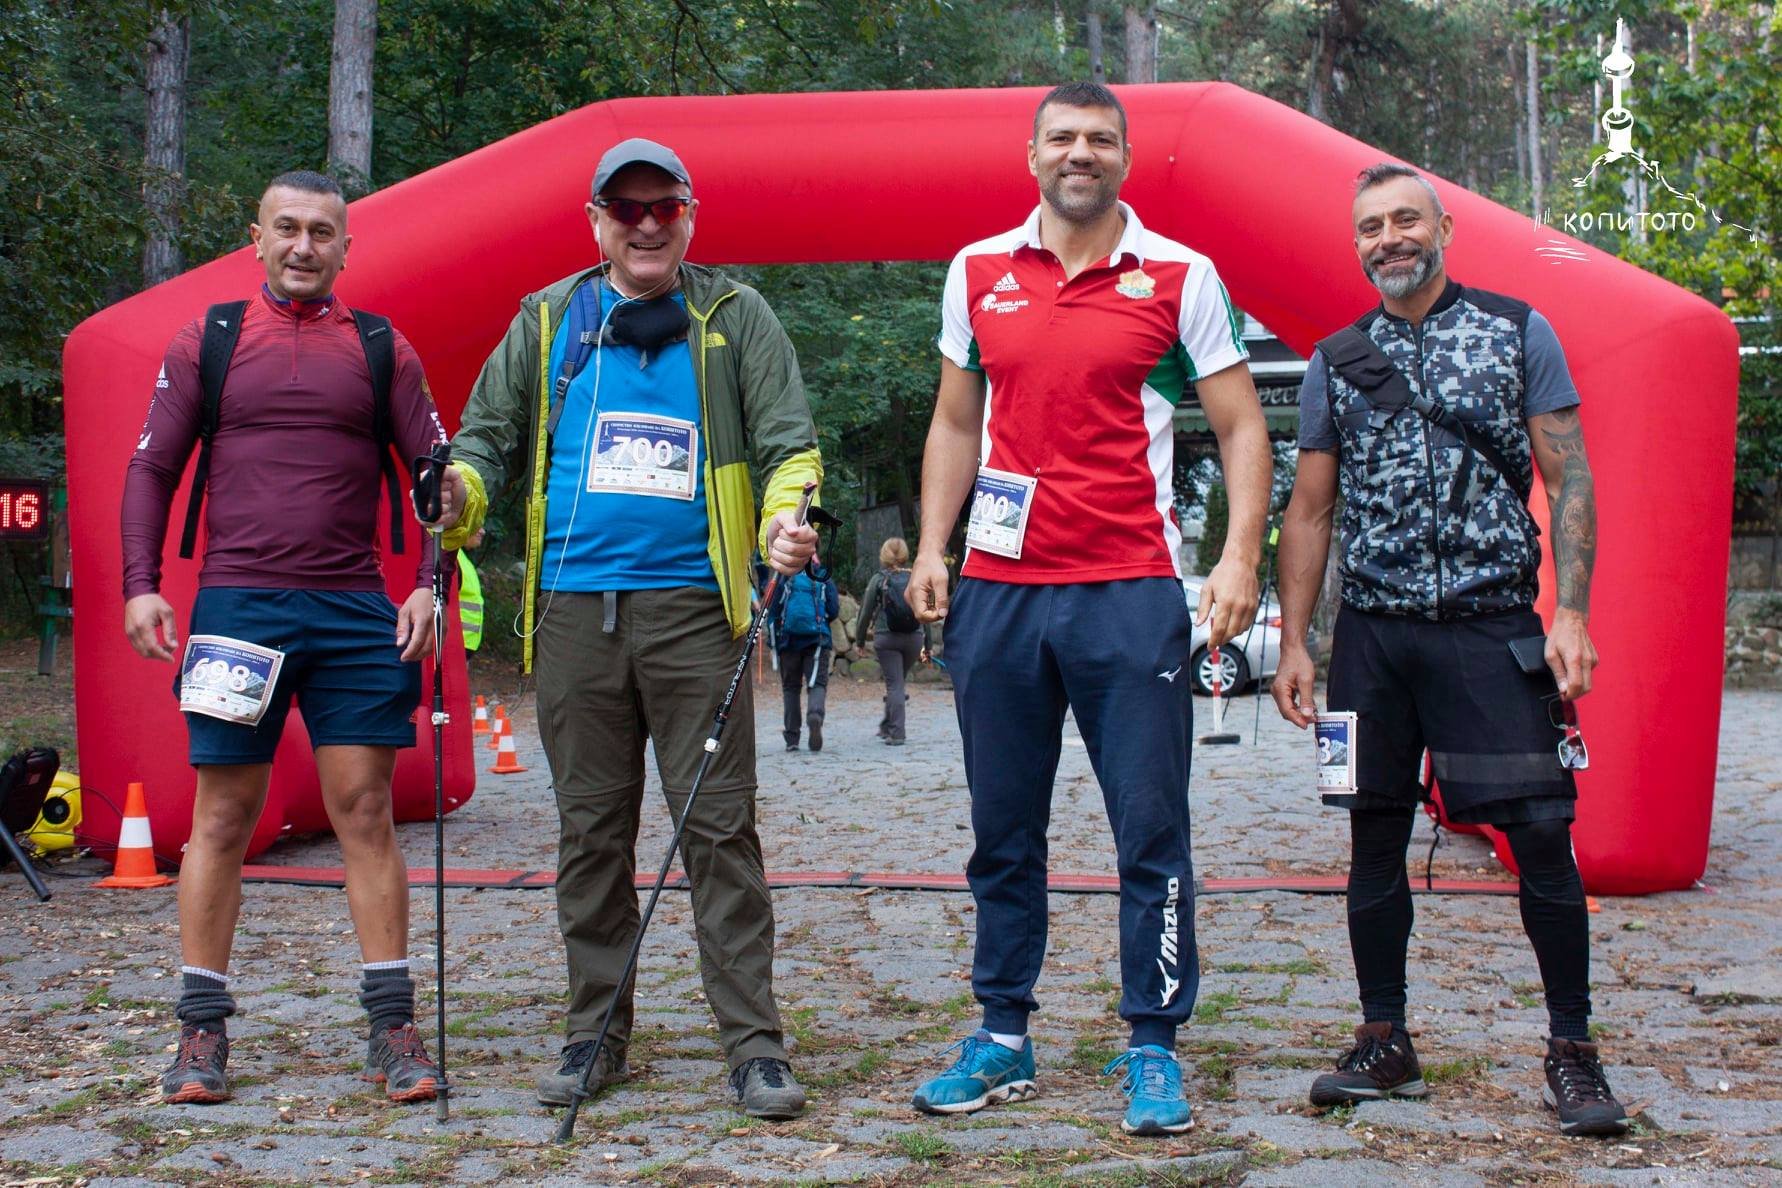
[
  {"x": 349, "y": 93},
  {"x": 1536, "y": 173},
  {"x": 1097, "y": 68},
  {"x": 1141, "y": 43},
  {"x": 164, "y": 146}
]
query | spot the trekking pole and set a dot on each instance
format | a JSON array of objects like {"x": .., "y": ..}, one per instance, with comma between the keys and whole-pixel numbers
[
  {"x": 1268, "y": 579},
  {"x": 580, "y": 1093},
  {"x": 429, "y": 474}
]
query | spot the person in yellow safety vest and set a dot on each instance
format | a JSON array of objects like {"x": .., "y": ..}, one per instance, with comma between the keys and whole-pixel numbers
[{"x": 470, "y": 597}]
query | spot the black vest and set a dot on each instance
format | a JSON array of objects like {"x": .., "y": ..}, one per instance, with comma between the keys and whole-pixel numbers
[{"x": 1405, "y": 549}]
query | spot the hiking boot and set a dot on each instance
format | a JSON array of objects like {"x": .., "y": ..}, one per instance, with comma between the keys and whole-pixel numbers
[
  {"x": 813, "y": 727},
  {"x": 197, "y": 1073},
  {"x": 556, "y": 1088},
  {"x": 792, "y": 745},
  {"x": 766, "y": 1088},
  {"x": 1381, "y": 1064},
  {"x": 985, "y": 1072},
  {"x": 1577, "y": 1089},
  {"x": 1153, "y": 1088},
  {"x": 397, "y": 1059}
]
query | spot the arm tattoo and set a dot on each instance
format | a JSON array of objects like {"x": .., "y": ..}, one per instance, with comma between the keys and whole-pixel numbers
[{"x": 1574, "y": 511}]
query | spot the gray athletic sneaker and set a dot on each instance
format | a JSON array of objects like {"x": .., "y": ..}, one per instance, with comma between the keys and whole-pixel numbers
[
  {"x": 767, "y": 1089},
  {"x": 197, "y": 1075},
  {"x": 557, "y": 1088}
]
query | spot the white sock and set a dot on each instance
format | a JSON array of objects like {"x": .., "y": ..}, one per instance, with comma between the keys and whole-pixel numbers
[
  {"x": 400, "y": 963},
  {"x": 1013, "y": 1043},
  {"x": 200, "y": 971}
]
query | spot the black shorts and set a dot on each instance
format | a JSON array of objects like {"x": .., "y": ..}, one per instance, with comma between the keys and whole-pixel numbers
[{"x": 1452, "y": 687}]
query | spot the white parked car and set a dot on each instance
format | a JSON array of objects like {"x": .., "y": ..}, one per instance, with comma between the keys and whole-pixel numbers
[{"x": 1253, "y": 655}]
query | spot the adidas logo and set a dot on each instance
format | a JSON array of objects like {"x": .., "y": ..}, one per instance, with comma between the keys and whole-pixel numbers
[{"x": 1008, "y": 284}]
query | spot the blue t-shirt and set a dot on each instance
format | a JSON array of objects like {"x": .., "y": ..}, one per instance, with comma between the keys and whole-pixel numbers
[
  {"x": 629, "y": 524},
  {"x": 1549, "y": 385}
]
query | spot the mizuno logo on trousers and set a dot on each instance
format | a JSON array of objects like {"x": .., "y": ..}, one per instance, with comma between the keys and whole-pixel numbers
[{"x": 1166, "y": 944}]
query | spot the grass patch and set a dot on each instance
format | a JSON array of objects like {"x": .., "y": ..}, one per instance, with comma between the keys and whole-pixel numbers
[
  {"x": 1449, "y": 1072},
  {"x": 1299, "y": 965},
  {"x": 1218, "y": 1071},
  {"x": 1212, "y": 1008},
  {"x": 958, "y": 1006},
  {"x": 899, "y": 1004},
  {"x": 1091, "y": 1055},
  {"x": 76, "y": 1103},
  {"x": 99, "y": 996},
  {"x": 922, "y": 1146}
]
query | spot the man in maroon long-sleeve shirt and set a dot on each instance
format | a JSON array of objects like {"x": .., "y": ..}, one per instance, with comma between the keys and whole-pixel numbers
[{"x": 291, "y": 565}]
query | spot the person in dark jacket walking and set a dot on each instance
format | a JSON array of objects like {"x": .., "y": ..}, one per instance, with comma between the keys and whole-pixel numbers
[
  {"x": 898, "y": 639},
  {"x": 801, "y": 637}
]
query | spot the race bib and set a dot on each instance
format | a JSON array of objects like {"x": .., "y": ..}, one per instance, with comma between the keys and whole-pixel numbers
[
  {"x": 1000, "y": 503},
  {"x": 1335, "y": 732},
  {"x": 228, "y": 678},
  {"x": 644, "y": 455}
]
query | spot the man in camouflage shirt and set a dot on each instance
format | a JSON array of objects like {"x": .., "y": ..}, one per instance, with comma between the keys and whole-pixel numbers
[{"x": 1428, "y": 418}]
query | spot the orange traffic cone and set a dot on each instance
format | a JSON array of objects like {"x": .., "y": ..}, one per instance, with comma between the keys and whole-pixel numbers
[
  {"x": 479, "y": 723},
  {"x": 136, "y": 849},
  {"x": 507, "y": 760},
  {"x": 498, "y": 728}
]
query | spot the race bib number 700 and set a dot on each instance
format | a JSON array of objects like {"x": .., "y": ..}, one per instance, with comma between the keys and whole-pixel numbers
[{"x": 644, "y": 455}]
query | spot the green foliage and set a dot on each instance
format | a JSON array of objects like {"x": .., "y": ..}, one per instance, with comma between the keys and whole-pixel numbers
[
  {"x": 1212, "y": 536},
  {"x": 1436, "y": 84}
]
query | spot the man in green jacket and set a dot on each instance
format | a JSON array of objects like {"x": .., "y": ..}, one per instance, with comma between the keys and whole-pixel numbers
[{"x": 627, "y": 397}]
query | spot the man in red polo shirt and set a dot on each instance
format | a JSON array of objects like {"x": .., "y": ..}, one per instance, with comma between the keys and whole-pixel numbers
[
  {"x": 1067, "y": 344},
  {"x": 291, "y": 570}
]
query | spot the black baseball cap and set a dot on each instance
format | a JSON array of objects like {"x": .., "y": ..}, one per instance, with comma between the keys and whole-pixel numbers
[{"x": 638, "y": 151}]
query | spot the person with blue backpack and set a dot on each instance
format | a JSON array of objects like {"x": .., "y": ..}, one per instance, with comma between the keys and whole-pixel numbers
[{"x": 801, "y": 637}]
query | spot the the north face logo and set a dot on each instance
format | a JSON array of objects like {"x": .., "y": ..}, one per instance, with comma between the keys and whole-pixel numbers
[{"x": 1008, "y": 284}]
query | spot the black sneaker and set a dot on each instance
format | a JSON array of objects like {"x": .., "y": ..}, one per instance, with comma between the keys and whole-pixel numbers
[
  {"x": 556, "y": 1088},
  {"x": 814, "y": 729},
  {"x": 197, "y": 1074},
  {"x": 397, "y": 1059},
  {"x": 1381, "y": 1064},
  {"x": 1577, "y": 1089},
  {"x": 793, "y": 745},
  {"x": 767, "y": 1089}
]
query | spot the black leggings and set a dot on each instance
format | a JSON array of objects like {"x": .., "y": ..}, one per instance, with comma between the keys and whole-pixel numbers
[{"x": 1553, "y": 915}]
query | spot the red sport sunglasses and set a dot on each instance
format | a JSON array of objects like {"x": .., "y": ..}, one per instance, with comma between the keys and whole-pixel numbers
[{"x": 631, "y": 212}]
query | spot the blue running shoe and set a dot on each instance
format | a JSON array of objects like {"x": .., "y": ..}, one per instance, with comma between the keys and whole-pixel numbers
[
  {"x": 985, "y": 1072},
  {"x": 1154, "y": 1088}
]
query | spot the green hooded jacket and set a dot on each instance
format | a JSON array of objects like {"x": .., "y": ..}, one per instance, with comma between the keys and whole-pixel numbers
[{"x": 750, "y": 399}]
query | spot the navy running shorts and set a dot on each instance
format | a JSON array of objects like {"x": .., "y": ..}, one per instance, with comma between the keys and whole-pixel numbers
[
  {"x": 1453, "y": 687},
  {"x": 341, "y": 663}
]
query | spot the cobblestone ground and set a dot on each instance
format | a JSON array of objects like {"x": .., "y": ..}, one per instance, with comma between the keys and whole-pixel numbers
[{"x": 873, "y": 985}]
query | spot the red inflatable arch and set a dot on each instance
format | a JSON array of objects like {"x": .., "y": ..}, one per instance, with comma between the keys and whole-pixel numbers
[{"x": 1261, "y": 189}]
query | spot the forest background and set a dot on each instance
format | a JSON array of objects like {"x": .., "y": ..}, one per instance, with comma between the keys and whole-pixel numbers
[{"x": 135, "y": 138}]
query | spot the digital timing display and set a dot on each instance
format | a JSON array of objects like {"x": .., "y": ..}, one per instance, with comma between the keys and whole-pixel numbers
[{"x": 24, "y": 509}]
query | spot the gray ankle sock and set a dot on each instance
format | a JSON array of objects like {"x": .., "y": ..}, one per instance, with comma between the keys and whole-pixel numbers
[
  {"x": 388, "y": 995},
  {"x": 204, "y": 1000}
]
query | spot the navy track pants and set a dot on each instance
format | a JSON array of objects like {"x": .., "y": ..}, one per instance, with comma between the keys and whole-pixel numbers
[{"x": 1115, "y": 654}]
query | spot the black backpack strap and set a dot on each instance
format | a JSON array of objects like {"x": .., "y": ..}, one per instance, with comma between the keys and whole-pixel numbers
[
  {"x": 379, "y": 344},
  {"x": 222, "y": 327},
  {"x": 1358, "y": 359}
]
